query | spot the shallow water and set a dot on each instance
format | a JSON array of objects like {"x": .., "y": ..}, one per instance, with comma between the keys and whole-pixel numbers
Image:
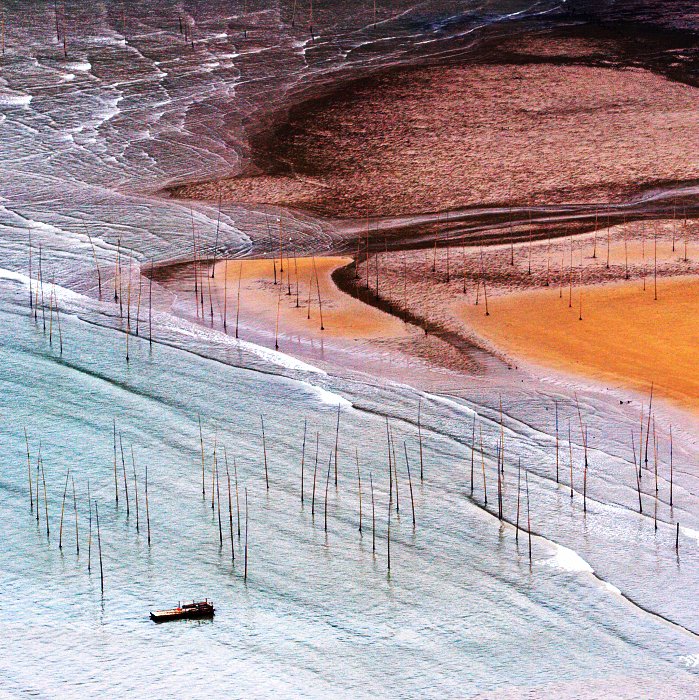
[
  {"x": 462, "y": 611},
  {"x": 85, "y": 144}
]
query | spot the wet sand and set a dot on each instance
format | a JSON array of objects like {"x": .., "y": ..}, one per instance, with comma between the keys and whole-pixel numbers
[
  {"x": 445, "y": 295},
  {"x": 449, "y": 137},
  {"x": 625, "y": 335},
  {"x": 260, "y": 299}
]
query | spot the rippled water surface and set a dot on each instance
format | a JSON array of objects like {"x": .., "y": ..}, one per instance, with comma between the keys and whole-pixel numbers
[{"x": 87, "y": 143}]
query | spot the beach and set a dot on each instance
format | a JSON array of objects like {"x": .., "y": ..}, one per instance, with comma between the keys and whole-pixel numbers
[
  {"x": 526, "y": 128},
  {"x": 292, "y": 295},
  {"x": 291, "y": 300},
  {"x": 615, "y": 333}
]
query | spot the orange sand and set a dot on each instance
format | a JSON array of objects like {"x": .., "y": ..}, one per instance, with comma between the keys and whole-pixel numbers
[
  {"x": 343, "y": 316},
  {"x": 624, "y": 336}
]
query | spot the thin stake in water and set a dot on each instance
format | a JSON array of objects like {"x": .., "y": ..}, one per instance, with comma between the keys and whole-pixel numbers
[
  {"x": 135, "y": 486},
  {"x": 63, "y": 507},
  {"x": 410, "y": 482},
  {"x": 327, "y": 484},
  {"x": 75, "y": 512},
  {"x": 315, "y": 472},
  {"x": 99, "y": 547},
  {"x": 264, "y": 451},
  {"x": 303, "y": 456},
  {"x": 359, "y": 487},
  {"x": 29, "y": 471},
  {"x": 230, "y": 504},
  {"x": 373, "y": 516},
  {"x": 245, "y": 575}
]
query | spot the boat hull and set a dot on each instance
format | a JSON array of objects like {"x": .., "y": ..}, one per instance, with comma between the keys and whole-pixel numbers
[{"x": 200, "y": 612}]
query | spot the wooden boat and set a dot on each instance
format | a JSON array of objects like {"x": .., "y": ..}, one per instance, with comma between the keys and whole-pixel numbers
[{"x": 186, "y": 611}]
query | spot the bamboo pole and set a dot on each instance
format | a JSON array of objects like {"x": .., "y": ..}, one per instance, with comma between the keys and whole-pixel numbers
[
  {"x": 410, "y": 482},
  {"x": 147, "y": 507},
  {"x": 128, "y": 313},
  {"x": 116, "y": 271},
  {"x": 75, "y": 513},
  {"x": 31, "y": 290},
  {"x": 337, "y": 440},
  {"x": 51, "y": 317},
  {"x": 655, "y": 267},
  {"x": 46, "y": 500},
  {"x": 211, "y": 300},
  {"x": 655, "y": 460},
  {"x": 150, "y": 307},
  {"x": 557, "y": 441},
  {"x": 463, "y": 263},
  {"x": 218, "y": 509},
  {"x": 230, "y": 504},
  {"x": 123, "y": 469},
  {"x": 585, "y": 473},
  {"x": 29, "y": 472},
  {"x": 594, "y": 248},
  {"x": 395, "y": 472},
  {"x": 359, "y": 487},
  {"x": 94, "y": 257},
  {"x": 138, "y": 301},
  {"x": 419, "y": 437},
  {"x": 296, "y": 273},
  {"x": 327, "y": 483},
  {"x": 63, "y": 507},
  {"x": 529, "y": 520},
  {"x": 40, "y": 292},
  {"x": 218, "y": 227},
  {"x": 201, "y": 444},
  {"x": 237, "y": 494},
  {"x": 638, "y": 481},
  {"x": 225, "y": 296},
  {"x": 320, "y": 303},
  {"x": 303, "y": 456},
  {"x": 41, "y": 287},
  {"x": 473, "y": 448},
  {"x": 570, "y": 276},
  {"x": 390, "y": 464},
  {"x": 135, "y": 486},
  {"x": 485, "y": 488},
  {"x": 99, "y": 547},
  {"x": 502, "y": 439},
  {"x": 671, "y": 470},
  {"x": 38, "y": 495},
  {"x": 388, "y": 527},
  {"x": 245, "y": 575},
  {"x": 213, "y": 470},
  {"x": 310, "y": 290},
  {"x": 237, "y": 309},
  {"x": 570, "y": 449},
  {"x": 650, "y": 411},
  {"x": 373, "y": 516},
  {"x": 583, "y": 433},
  {"x": 519, "y": 482},
  {"x": 58, "y": 322},
  {"x": 640, "y": 447},
  {"x": 89, "y": 531},
  {"x": 485, "y": 292},
  {"x": 499, "y": 452},
  {"x": 264, "y": 451},
  {"x": 315, "y": 471}
]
